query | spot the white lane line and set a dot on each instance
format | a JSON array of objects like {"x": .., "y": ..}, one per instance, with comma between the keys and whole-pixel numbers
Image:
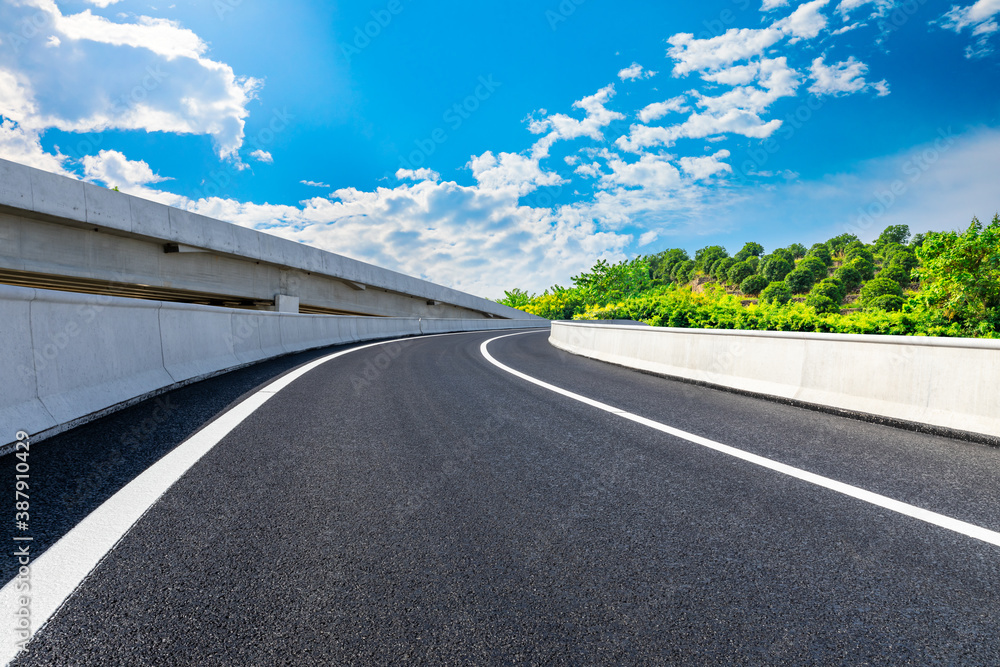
[
  {"x": 58, "y": 572},
  {"x": 968, "y": 529}
]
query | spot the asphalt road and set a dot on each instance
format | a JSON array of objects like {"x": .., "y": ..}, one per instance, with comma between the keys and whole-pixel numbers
[{"x": 426, "y": 507}]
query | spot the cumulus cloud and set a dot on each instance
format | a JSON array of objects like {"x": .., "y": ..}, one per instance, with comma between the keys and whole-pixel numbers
[
  {"x": 560, "y": 127},
  {"x": 115, "y": 170},
  {"x": 736, "y": 44},
  {"x": 770, "y": 5},
  {"x": 700, "y": 168},
  {"x": 635, "y": 71},
  {"x": 843, "y": 78},
  {"x": 511, "y": 173},
  {"x": 980, "y": 19},
  {"x": 417, "y": 175},
  {"x": 806, "y": 22},
  {"x": 262, "y": 156},
  {"x": 658, "y": 110},
  {"x": 86, "y": 73},
  {"x": 317, "y": 184}
]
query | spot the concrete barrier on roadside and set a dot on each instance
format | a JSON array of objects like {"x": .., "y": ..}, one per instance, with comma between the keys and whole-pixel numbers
[
  {"x": 69, "y": 358},
  {"x": 947, "y": 383}
]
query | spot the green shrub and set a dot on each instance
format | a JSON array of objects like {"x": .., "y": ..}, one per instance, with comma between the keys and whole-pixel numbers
[
  {"x": 887, "y": 302},
  {"x": 797, "y": 250},
  {"x": 896, "y": 273},
  {"x": 738, "y": 272},
  {"x": 865, "y": 268},
  {"x": 683, "y": 271},
  {"x": 822, "y": 253},
  {"x": 749, "y": 249},
  {"x": 877, "y": 287},
  {"x": 784, "y": 252},
  {"x": 829, "y": 288},
  {"x": 849, "y": 277},
  {"x": 752, "y": 285},
  {"x": 721, "y": 268},
  {"x": 777, "y": 292},
  {"x": 800, "y": 280},
  {"x": 858, "y": 249},
  {"x": 814, "y": 265},
  {"x": 838, "y": 244},
  {"x": 822, "y": 303},
  {"x": 777, "y": 268},
  {"x": 754, "y": 262}
]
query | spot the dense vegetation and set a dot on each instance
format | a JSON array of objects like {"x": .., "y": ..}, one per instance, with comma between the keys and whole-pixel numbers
[{"x": 935, "y": 284}]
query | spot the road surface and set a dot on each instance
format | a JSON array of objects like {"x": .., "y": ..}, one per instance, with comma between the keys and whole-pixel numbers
[{"x": 414, "y": 502}]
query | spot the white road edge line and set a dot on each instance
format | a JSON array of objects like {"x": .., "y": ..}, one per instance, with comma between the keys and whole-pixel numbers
[
  {"x": 63, "y": 567},
  {"x": 940, "y": 520}
]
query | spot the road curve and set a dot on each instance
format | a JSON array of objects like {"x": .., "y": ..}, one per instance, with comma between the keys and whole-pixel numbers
[{"x": 412, "y": 501}]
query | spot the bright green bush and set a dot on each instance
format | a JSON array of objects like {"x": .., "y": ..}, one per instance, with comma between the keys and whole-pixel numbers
[
  {"x": 776, "y": 268},
  {"x": 800, "y": 280},
  {"x": 822, "y": 303},
  {"x": 777, "y": 292},
  {"x": 865, "y": 268},
  {"x": 821, "y": 252},
  {"x": 849, "y": 276},
  {"x": 830, "y": 289},
  {"x": 739, "y": 272},
  {"x": 750, "y": 249},
  {"x": 721, "y": 268},
  {"x": 889, "y": 302},
  {"x": 752, "y": 285},
  {"x": 814, "y": 265},
  {"x": 858, "y": 249},
  {"x": 877, "y": 287},
  {"x": 797, "y": 250},
  {"x": 896, "y": 273},
  {"x": 754, "y": 262}
]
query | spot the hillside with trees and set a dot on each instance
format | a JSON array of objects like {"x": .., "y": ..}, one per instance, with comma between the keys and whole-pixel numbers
[{"x": 933, "y": 284}]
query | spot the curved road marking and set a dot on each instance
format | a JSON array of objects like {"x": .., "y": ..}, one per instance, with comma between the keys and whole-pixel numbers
[
  {"x": 940, "y": 520},
  {"x": 58, "y": 572}
]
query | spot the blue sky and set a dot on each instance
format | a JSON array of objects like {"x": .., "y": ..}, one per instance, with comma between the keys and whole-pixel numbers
[{"x": 499, "y": 144}]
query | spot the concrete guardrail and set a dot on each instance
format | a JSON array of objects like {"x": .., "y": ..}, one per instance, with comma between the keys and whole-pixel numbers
[
  {"x": 69, "y": 358},
  {"x": 948, "y": 384}
]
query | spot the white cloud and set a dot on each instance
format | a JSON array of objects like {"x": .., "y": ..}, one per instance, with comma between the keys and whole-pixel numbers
[
  {"x": 262, "y": 156},
  {"x": 694, "y": 55},
  {"x": 115, "y": 170},
  {"x": 635, "y": 71},
  {"x": 103, "y": 4},
  {"x": 24, "y": 146},
  {"x": 314, "y": 184},
  {"x": 845, "y": 77},
  {"x": 560, "y": 127},
  {"x": 418, "y": 175},
  {"x": 658, "y": 110},
  {"x": 511, "y": 174},
  {"x": 769, "y": 5},
  {"x": 648, "y": 237},
  {"x": 650, "y": 172},
  {"x": 806, "y": 22},
  {"x": 847, "y": 6},
  {"x": 148, "y": 74},
  {"x": 700, "y": 168},
  {"x": 591, "y": 170},
  {"x": 979, "y": 17}
]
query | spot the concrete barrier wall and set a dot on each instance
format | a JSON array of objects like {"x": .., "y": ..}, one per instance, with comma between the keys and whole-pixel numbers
[
  {"x": 68, "y": 358},
  {"x": 949, "y": 383},
  {"x": 56, "y": 225}
]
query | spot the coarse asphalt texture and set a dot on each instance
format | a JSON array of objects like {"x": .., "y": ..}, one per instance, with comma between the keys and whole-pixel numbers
[{"x": 424, "y": 506}]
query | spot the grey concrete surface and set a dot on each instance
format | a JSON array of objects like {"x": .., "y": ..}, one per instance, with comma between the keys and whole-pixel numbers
[
  {"x": 70, "y": 357},
  {"x": 56, "y": 225},
  {"x": 945, "y": 382},
  {"x": 444, "y": 512}
]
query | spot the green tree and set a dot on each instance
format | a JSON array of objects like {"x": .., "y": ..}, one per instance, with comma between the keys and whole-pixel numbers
[
  {"x": 749, "y": 249},
  {"x": 752, "y": 285},
  {"x": 777, "y": 268},
  {"x": 893, "y": 234},
  {"x": 878, "y": 287},
  {"x": 739, "y": 272},
  {"x": 798, "y": 250},
  {"x": 960, "y": 274},
  {"x": 777, "y": 292},
  {"x": 516, "y": 298},
  {"x": 815, "y": 266},
  {"x": 800, "y": 280},
  {"x": 708, "y": 255}
]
